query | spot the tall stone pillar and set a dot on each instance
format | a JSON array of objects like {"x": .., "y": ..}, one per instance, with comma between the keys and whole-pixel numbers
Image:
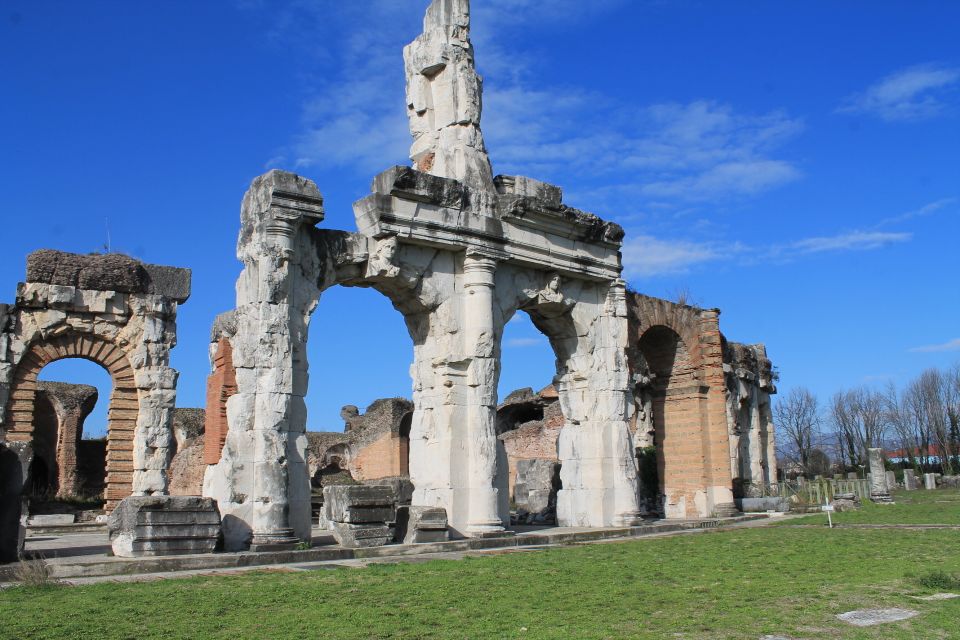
[
  {"x": 453, "y": 442},
  {"x": 716, "y": 433},
  {"x": 598, "y": 467},
  {"x": 261, "y": 483},
  {"x": 479, "y": 342}
]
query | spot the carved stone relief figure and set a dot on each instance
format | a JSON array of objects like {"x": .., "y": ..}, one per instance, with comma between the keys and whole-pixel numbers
[{"x": 383, "y": 262}]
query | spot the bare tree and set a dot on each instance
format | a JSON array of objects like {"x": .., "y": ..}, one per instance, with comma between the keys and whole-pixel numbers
[
  {"x": 860, "y": 419},
  {"x": 903, "y": 424},
  {"x": 935, "y": 397},
  {"x": 798, "y": 420}
]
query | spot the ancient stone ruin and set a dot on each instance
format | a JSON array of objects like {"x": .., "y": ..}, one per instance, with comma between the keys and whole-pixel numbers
[{"x": 652, "y": 412}]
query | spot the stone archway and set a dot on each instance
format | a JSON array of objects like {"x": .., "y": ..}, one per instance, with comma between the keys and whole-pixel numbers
[
  {"x": 676, "y": 358},
  {"x": 119, "y": 313},
  {"x": 122, "y": 413}
]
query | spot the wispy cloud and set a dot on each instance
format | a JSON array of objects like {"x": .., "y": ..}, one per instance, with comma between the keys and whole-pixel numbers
[
  {"x": 914, "y": 93},
  {"x": 848, "y": 241},
  {"x": 950, "y": 345},
  {"x": 645, "y": 256},
  {"x": 690, "y": 152},
  {"x": 926, "y": 210},
  {"x": 519, "y": 343}
]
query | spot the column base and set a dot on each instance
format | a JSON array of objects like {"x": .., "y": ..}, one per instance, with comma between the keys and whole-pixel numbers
[
  {"x": 725, "y": 510},
  {"x": 629, "y": 519},
  {"x": 276, "y": 540},
  {"x": 494, "y": 529}
]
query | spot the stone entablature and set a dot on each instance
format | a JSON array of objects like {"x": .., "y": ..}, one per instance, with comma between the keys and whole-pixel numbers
[
  {"x": 523, "y": 222},
  {"x": 124, "y": 320}
]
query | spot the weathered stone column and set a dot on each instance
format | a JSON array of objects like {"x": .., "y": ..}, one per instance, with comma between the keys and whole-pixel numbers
[
  {"x": 261, "y": 483},
  {"x": 479, "y": 343},
  {"x": 598, "y": 468}
]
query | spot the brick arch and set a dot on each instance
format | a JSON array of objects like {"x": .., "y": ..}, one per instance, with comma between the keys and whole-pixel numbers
[
  {"x": 122, "y": 413},
  {"x": 684, "y": 320}
]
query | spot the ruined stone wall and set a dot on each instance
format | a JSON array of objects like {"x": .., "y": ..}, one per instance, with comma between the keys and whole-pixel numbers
[
  {"x": 676, "y": 360},
  {"x": 114, "y": 311},
  {"x": 221, "y": 385},
  {"x": 529, "y": 439},
  {"x": 750, "y": 381},
  {"x": 374, "y": 445}
]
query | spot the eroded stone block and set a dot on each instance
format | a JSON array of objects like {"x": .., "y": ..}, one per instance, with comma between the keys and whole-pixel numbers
[{"x": 164, "y": 525}]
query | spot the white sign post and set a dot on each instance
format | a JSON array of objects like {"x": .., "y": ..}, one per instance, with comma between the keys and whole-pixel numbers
[{"x": 829, "y": 509}]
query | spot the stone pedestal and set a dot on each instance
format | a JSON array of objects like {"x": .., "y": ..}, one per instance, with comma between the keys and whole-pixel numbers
[
  {"x": 417, "y": 525},
  {"x": 891, "y": 480},
  {"x": 929, "y": 481},
  {"x": 909, "y": 480},
  {"x": 879, "y": 491},
  {"x": 358, "y": 514},
  {"x": 163, "y": 526}
]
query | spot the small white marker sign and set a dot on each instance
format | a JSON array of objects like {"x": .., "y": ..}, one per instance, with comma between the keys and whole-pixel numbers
[{"x": 826, "y": 507}]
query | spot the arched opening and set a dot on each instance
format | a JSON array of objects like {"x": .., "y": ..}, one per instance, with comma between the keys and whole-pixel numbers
[
  {"x": 358, "y": 407},
  {"x": 668, "y": 424},
  {"x": 55, "y": 421},
  {"x": 529, "y": 419},
  {"x": 70, "y": 429}
]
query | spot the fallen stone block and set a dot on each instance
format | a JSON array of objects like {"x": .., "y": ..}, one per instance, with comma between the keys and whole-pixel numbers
[
  {"x": 164, "y": 525},
  {"x": 355, "y": 536},
  {"x": 845, "y": 502},
  {"x": 417, "y": 525},
  {"x": 360, "y": 504},
  {"x": 401, "y": 485}
]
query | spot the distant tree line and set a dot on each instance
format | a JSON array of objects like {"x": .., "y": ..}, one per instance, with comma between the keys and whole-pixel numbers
[{"x": 918, "y": 423}]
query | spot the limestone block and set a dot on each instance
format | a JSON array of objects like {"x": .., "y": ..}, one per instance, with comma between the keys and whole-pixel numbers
[
  {"x": 909, "y": 480},
  {"x": 401, "y": 486},
  {"x": 879, "y": 491},
  {"x": 354, "y": 536},
  {"x": 359, "y": 504},
  {"x": 891, "y": 478},
  {"x": 164, "y": 525},
  {"x": 417, "y": 524},
  {"x": 535, "y": 491}
]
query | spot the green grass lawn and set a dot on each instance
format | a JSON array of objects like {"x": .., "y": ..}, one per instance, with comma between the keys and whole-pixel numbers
[
  {"x": 744, "y": 583},
  {"x": 912, "y": 507}
]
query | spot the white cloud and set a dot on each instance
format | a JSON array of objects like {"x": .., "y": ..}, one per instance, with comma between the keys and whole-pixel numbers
[
  {"x": 925, "y": 210},
  {"x": 645, "y": 255},
  {"x": 914, "y": 93},
  {"x": 950, "y": 345},
  {"x": 649, "y": 256},
  {"x": 524, "y": 342},
  {"x": 849, "y": 241}
]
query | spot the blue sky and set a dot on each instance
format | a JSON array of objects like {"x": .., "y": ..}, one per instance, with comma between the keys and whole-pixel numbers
[{"x": 795, "y": 164}]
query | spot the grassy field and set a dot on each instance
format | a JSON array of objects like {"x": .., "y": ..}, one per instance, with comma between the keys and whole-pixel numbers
[{"x": 746, "y": 583}]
